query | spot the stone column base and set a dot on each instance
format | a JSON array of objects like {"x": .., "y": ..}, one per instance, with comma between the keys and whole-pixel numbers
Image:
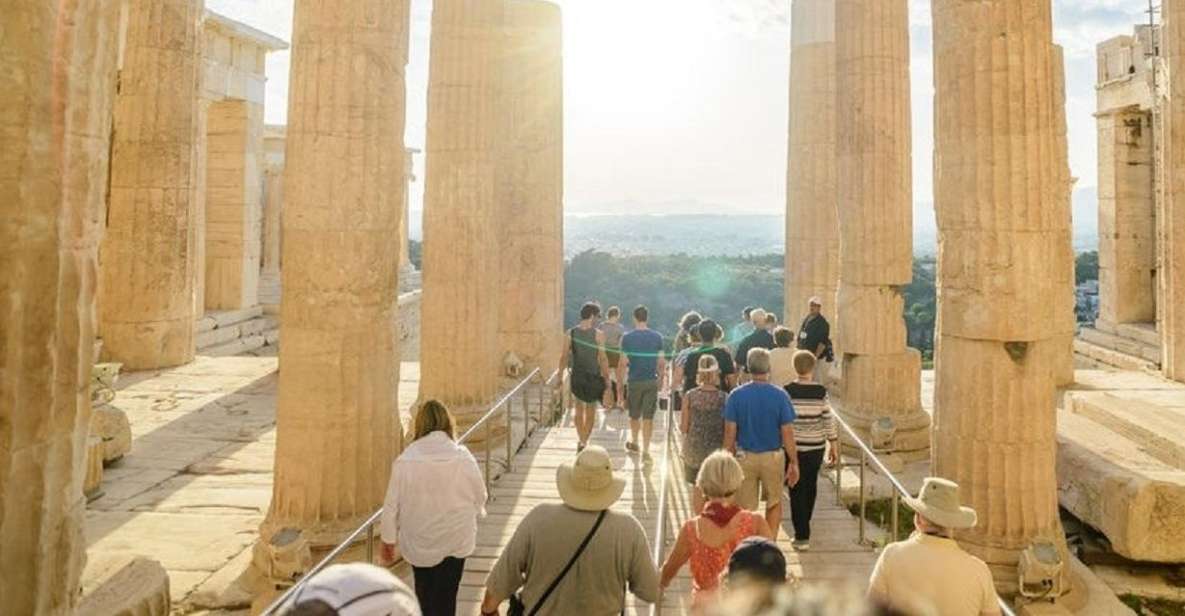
[{"x": 886, "y": 386}]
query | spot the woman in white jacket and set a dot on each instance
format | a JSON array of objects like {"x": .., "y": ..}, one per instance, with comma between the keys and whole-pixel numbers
[{"x": 434, "y": 499}]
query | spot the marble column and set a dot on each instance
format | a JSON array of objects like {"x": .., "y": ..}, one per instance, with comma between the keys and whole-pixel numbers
[
  {"x": 147, "y": 309},
  {"x": 881, "y": 375},
  {"x": 1066, "y": 325},
  {"x": 812, "y": 227},
  {"x": 1172, "y": 224},
  {"x": 531, "y": 185},
  {"x": 337, "y": 421},
  {"x": 460, "y": 358},
  {"x": 998, "y": 193},
  {"x": 57, "y": 73}
]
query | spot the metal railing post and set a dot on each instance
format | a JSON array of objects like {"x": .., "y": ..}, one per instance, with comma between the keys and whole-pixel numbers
[
  {"x": 509, "y": 411},
  {"x": 487, "y": 469},
  {"x": 863, "y": 499},
  {"x": 370, "y": 543},
  {"x": 896, "y": 522}
]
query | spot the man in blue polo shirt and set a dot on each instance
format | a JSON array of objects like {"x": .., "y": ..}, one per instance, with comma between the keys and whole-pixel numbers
[
  {"x": 643, "y": 357},
  {"x": 758, "y": 427}
]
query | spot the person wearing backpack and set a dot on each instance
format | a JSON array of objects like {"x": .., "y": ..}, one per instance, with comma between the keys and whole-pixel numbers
[{"x": 578, "y": 553}]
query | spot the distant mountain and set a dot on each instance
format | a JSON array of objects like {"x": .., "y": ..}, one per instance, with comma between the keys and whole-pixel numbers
[{"x": 698, "y": 228}]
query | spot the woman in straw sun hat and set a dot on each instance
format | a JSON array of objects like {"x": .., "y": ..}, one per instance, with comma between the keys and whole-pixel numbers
[
  {"x": 578, "y": 553},
  {"x": 929, "y": 573}
]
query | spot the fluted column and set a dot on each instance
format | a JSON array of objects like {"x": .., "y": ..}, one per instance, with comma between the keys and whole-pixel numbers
[
  {"x": 460, "y": 356},
  {"x": 147, "y": 308},
  {"x": 337, "y": 417},
  {"x": 998, "y": 194},
  {"x": 57, "y": 78},
  {"x": 881, "y": 375},
  {"x": 1066, "y": 319},
  {"x": 812, "y": 227},
  {"x": 531, "y": 185},
  {"x": 1171, "y": 301}
]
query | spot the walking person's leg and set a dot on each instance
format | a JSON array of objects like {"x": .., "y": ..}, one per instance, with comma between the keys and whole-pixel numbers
[
  {"x": 772, "y": 469},
  {"x": 648, "y": 403},
  {"x": 450, "y": 584},
  {"x": 804, "y": 493}
]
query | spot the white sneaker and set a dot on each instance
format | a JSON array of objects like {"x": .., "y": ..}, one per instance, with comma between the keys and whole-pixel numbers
[{"x": 801, "y": 546}]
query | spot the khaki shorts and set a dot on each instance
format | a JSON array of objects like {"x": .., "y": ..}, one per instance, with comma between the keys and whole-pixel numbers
[{"x": 767, "y": 470}]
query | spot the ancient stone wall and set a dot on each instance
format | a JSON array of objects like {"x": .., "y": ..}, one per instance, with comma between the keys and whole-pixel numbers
[
  {"x": 882, "y": 377},
  {"x": 531, "y": 185},
  {"x": 233, "y": 212},
  {"x": 461, "y": 239},
  {"x": 997, "y": 192},
  {"x": 148, "y": 255},
  {"x": 57, "y": 73},
  {"x": 1127, "y": 218},
  {"x": 337, "y": 418},
  {"x": 812, "y": 226}
]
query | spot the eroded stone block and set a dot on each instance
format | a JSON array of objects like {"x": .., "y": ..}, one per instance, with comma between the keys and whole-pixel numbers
[{"x": 124, "y": 585}]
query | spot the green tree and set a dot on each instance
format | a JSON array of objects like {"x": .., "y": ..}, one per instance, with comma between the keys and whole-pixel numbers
[{"x": 1086, "y": 267}]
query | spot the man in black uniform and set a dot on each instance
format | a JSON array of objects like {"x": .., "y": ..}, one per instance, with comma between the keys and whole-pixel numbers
[{"x": 814, "y": 334}]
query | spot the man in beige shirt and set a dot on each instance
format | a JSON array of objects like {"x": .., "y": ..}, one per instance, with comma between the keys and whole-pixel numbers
[
  {"x": 617, "y": 556},
  {"x": 929, "y": 574}
]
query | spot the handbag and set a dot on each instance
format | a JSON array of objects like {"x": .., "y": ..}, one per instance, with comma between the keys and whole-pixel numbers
[{"x": 518, "y": 608}]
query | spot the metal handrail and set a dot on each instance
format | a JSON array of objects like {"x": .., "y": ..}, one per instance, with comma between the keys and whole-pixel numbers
[
  {"x": 483, "y": 422},
  {"x": 660, "y": 524},
  {"x": 867, "y": 454}
]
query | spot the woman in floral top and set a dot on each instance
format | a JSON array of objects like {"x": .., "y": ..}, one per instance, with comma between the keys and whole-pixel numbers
[{"x": 702, "y": 421}]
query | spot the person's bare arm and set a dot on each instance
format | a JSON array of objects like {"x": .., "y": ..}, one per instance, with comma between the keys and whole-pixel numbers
[
  {"x": 730, "y": 436},
  {"x": 564, "y": 358},
  {"x": 685, "y": 416},
  {"x": 678, "y": 557},
  {"x": 792, "y": 474},
  {"x": 662, "y": 371},
  {"x": 819, "y": 350},
  {"x": 763, "y": 529}
]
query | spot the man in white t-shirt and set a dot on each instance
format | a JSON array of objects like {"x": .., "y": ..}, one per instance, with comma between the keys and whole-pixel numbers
[{"x": 929, "y": 574}]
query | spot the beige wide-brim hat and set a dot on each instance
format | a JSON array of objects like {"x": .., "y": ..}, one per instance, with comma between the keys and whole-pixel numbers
[
  {"x": 815, "y": 301},
  {"x": 588, "y": 484},
  {"x": 939, "y": 503}
]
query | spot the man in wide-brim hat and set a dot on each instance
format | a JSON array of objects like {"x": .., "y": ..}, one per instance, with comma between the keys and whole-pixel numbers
[
  {"x": 929, "y": 573},
  {"x": 616, "y": 556}
]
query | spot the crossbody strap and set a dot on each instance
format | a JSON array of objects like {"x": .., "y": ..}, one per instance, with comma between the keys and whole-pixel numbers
[{"x": 579, "y": 551}]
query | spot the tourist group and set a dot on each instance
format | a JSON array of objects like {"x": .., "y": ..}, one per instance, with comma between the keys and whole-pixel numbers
[{"x": 756, "y": 425}]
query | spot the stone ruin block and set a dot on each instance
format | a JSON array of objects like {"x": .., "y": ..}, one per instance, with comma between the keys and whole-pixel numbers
[
  {"x": 92, "y": 484},
  {"x": 124, "y": 585}
]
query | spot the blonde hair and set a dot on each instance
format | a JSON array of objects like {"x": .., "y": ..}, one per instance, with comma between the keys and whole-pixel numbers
[
  {"x": 804, "y": 362},
  {"x": 708, "y": 371},
  {"x": 720, "y": 475},
  {"x": 433, "y": 416}
]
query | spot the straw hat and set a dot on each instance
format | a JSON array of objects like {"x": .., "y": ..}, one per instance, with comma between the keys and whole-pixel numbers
[
  {"x": 815, "y": 301},
  {"x": 939, "y": 503},
  {"x": 588, "y": 484}
]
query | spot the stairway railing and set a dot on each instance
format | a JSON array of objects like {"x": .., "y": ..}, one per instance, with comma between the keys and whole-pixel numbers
[
  {"x": 665, "y": 472},
  {"x": 483, "y": 423},
  {"x": 867, "y": 455}
]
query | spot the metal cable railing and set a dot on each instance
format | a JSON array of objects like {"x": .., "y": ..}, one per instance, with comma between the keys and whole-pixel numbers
[
  {"x": 868, "y": 455},
  {"x": 660, "y": 523},
  {"x": 483, "y": 423}
]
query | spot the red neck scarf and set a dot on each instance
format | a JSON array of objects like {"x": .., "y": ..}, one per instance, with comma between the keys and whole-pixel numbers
[{"x": 720, "y": 514}]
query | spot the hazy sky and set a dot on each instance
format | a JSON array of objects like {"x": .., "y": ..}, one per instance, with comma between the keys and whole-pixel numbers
[{"x": 671, "y": 102}]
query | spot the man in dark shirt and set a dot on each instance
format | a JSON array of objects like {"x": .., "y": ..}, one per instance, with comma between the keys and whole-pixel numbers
[
  {"x": 709, "y": 332},
  {"x": 759, "y": 338},
  {"x": 814, "y": 334}
]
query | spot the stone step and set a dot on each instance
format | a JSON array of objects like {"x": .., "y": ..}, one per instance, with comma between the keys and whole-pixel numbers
[
  {"x": 1112, "y": 484},
  {"x": 1121, "y": 344},
  {"x": 225, "y": 318},
  {"x": 1144, "y": 333},
  {"x": 230, "y": 333},
  {"x": 1108, "y": 357},
  {"x": 1154, "y": 428}
]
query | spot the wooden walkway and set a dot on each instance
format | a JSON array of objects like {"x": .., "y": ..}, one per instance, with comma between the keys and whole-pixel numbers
[{"x": 834, "y": 558}]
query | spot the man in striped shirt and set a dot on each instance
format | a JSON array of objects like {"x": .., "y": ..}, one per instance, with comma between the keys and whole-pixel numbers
[{"x": 814, "y": 429}]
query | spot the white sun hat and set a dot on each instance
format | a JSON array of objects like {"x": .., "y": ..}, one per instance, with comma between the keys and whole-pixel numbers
[
  {"x": 589, "y": 484},
  {"x": 358, "y": 589},
  {"x": 939, "y": 503}
]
